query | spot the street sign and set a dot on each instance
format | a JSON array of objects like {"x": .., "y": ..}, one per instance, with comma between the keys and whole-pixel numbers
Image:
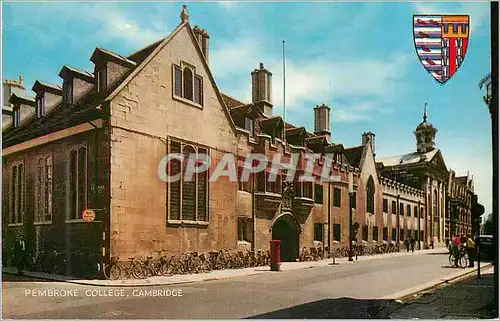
[{"x": 88, "y": 215}]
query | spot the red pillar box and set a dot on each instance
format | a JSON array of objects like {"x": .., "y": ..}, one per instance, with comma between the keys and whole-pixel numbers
[{"x": 275, "y": 255}]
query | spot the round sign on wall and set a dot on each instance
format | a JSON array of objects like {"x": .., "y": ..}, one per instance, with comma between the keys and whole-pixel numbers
[{"x": 88, "y": 215}]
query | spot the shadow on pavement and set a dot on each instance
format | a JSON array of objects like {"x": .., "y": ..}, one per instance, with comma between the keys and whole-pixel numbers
[
  {"x": 8, "y": 277},
  {"x": 471, "y": 298},
  {"x": 341, "y": 308},
  {"x": 439, "y": 253}
]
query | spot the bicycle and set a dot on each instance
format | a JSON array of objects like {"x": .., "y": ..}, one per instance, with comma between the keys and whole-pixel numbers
[
  {"x": 115, "y": 269},
  {"x": 55, "y": 263},
  {"x": 152, "y": 266},
  {"x": 463, "y": 259}
]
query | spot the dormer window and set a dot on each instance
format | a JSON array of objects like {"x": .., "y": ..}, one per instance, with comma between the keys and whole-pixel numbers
[
  {"x": 40, "y": 105},
  {"x": 249, "y": 125},
  {"x": 68, "y": 92},
  {"x": 187, "y": 84},
  {"x": 17, "y": 117}
]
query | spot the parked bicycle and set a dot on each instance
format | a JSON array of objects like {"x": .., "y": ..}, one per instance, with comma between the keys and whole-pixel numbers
[{"x": 115, "y": 269}]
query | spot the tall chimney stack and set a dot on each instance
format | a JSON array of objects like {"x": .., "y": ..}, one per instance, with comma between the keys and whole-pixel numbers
[
  {"x": 202, "y": 37},
  {"x": 322, "y": 120},
  {"x": 261, "y": 89}
]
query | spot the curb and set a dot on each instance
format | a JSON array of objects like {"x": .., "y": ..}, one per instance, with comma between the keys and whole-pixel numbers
[
  {"x": 441, "y": 282},
  {"x": 148, "y": 284}
]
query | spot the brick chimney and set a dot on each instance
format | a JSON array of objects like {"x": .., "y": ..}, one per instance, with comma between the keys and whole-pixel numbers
[
  {"x": 322, "y": 120},
  {"x": 202, "y": 37},
  {"x": 261, "y": 89}
]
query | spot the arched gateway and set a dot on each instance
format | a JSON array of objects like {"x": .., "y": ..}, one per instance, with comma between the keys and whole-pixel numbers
[{"x": 286, "y": 229}]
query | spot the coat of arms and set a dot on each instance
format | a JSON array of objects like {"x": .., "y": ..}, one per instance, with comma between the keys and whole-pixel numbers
[{"x": 441, "y": 42}]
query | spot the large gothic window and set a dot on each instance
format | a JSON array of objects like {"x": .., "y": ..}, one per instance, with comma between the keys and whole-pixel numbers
[{"x": 370, "y": 196}]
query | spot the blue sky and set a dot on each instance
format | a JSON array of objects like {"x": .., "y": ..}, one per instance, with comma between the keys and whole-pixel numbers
[{"x": 358, "y": 58}]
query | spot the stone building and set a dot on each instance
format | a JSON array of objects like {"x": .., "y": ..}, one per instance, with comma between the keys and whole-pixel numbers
[
  {"x": 459, "y": 218},
  {"x": 97, "y": 141},
  {"x": 425, "y": 170}
]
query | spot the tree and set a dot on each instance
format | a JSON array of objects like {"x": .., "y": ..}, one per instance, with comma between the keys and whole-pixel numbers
[{"x": 488, "y": 227}]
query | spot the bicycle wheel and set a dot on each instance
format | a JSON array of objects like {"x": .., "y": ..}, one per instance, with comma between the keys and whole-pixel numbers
[
  {"x": 463, "y": 262},
  {"x": 154, "y": 267},
  {"x": 112, "y": 271},
  {"x": 140, "y": 271},
  {"x": 451, "y": 259}
]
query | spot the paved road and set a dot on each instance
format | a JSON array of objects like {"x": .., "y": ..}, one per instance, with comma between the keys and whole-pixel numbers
[{"x": 345, "y": 290}]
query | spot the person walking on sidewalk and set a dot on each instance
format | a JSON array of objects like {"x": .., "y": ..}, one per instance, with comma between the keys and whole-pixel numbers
[
  {"x": 20, "y": 254},
  {"x": 471, "y": 246},
  {"x": 407, "y": 244},
  {"x": 412, "y": 244}
]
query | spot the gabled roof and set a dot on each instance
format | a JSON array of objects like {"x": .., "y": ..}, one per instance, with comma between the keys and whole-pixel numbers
[
  {"x": 45, "y": 86},
  {"x": 231, "y": 102},
  {"x": 143, "y": 53},
  {"x": 267, "y": 125},
  {"x": 410, "y": 158},
  {"x": 153, "y": 54},
  {"x": 354, "y": 154},
  {"x": 81, "y": 74},
  {"x": 21, "y": 99},
  {"x": 106, "y": 54}
]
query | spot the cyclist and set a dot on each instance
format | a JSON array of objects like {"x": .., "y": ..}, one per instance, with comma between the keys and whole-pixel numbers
[{"x": 455, "y": 243}]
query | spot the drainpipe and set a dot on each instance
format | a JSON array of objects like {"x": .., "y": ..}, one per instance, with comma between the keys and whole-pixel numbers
[
  {"x": 419, "y": 211},
  {"x": 254, "y": 231},
  {"x": 399, "y": 229},
  {"x": 329, "y": 220}
]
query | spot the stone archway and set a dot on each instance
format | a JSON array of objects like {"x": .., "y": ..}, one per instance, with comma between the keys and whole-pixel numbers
[{"x": 286, "y": 229}]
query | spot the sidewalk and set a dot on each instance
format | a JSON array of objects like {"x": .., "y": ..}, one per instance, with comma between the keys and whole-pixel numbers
[
  {"x": 217, "y": 274},
  {"x": 470, "y": 298}
]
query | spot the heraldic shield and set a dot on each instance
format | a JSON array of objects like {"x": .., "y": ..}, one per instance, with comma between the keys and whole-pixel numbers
[{"x": 441, "y": 42}]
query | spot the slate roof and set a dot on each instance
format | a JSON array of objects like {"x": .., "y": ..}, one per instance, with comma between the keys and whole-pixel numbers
[
  {"x": 353, "y": 155},
  {"x": 406, "y": 159},
  {"x": 80, "y": 74},
  {"x": 143, "y": 53},
  {"x": 231, "y": 102},
  {"x": 268, "y": 124},
  {"x": 38, "y": 83}
]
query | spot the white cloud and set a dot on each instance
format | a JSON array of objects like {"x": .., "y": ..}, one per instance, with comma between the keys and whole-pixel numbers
[
  {"x": 226, "y": 4},
  {"x": 116, "y": 24},
  {"x": 309, "y": 82}
]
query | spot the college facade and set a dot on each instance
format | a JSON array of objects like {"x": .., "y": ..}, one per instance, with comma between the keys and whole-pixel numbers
[{"x": 96, "y": 140}]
